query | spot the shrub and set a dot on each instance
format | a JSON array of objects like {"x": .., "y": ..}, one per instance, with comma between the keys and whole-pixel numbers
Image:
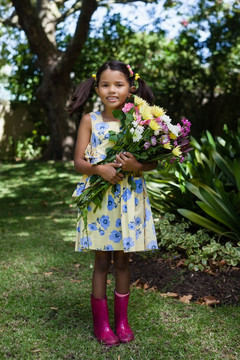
[{"x": 200, "y": 250}]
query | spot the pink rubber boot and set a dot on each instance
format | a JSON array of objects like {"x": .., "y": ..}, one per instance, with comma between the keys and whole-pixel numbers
[
  {"x": 123, "y": 330},
  {"x": 102, "y": 330}
]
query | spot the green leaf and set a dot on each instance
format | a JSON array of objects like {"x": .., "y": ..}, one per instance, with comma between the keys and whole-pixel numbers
[
  {"x": 200, "y": 220},
  {"x": 236, "y": 171},
  {"x": 224, "y": 166},
  {"x": 210, "y": 139},
  {"x": 221, "y": 209},
  {"x": 118, "y": 114}
]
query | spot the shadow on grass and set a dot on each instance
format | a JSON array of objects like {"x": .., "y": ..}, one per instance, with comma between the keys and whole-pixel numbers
[{"x": 36, "y": 206}]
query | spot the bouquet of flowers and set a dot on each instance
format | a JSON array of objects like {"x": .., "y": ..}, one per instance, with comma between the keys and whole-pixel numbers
[{"x": 146, "y": 132}]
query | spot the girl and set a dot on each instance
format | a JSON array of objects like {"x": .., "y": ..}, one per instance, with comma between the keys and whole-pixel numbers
[{"x": 124, "y": 223}]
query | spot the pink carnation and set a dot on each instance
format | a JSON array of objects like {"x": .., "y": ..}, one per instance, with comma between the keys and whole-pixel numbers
[
  {"x": 127, "y": 107},
  {"x": 145, "y": 122}
]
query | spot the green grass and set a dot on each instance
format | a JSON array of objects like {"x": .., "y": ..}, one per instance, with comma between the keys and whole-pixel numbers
[{"x": 45, "y": 286}]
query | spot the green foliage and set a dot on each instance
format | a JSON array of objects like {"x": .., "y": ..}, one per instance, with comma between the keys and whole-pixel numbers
[
  {"x": 199, "y": 249},
  {"x": 205, "y": 189},
  {"x": 31, "y": 147}
]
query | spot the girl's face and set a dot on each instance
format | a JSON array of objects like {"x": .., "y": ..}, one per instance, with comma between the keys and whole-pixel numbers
[{"x": 113, "y": 89}]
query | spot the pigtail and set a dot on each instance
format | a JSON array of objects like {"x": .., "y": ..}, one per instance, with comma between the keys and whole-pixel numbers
[
  {"x": 144, "y": 91},
  {"x": 83, "y": 92}
]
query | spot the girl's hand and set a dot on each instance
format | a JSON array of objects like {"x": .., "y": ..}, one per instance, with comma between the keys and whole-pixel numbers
[
  {"x": 109, "y": 173},
  {"x": 128, "y": 161}
]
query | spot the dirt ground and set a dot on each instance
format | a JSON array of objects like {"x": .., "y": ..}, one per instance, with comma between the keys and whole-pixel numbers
[{"x": 156, "y": 273}]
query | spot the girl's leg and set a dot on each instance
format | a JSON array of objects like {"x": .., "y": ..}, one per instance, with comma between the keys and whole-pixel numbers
[
  {"x": 122, "y": 271},
  {"x": 121, "y": 264},
  {"x": 100, "y": 272},
  {"x": 102, "y": 330}
]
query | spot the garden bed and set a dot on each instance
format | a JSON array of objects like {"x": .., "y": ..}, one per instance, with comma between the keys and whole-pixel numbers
[{"x": 166, "y": 276}]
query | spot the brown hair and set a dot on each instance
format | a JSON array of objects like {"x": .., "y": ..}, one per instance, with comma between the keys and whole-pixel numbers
[{"x": 85, "y": 89}]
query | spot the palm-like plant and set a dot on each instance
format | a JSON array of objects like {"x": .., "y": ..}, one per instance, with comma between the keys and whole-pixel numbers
[{"x": 205, "y": 189}]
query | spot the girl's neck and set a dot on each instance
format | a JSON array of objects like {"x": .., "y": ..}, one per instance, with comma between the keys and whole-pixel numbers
[{"x": 108, "y": 115}]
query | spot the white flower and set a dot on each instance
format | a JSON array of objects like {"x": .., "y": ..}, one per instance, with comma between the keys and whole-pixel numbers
[
  {"x": 166, "y": 119},
  {"x": 157, "y": 132},
  {"x": 139, "y": 129},
  {"x": 135, "y": 123},
  {"x": 132, "y": 130},
  {"x": 136, "y": 136},
  {"x": 173, "y": 129}
]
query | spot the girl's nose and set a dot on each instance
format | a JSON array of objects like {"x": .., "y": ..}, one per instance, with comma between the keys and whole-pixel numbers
[{"x": 111, "y": 89}]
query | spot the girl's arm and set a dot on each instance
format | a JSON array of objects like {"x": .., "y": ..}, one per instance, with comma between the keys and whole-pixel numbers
[
  {"x": 106, "y": 171},
  {"x": 130, "y": 163}
]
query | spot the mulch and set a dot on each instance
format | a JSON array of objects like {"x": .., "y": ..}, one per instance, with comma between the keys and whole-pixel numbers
[{"x": 167, "y": 276}]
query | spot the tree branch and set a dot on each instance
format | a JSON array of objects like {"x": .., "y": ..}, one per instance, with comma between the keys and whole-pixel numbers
[
  {"x": 75, "y": 46},
  {"x": 38, "y": 40}
]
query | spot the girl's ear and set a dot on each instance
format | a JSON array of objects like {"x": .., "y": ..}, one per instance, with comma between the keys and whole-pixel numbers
[
  {"x": 132, "y": 90},
  {"x": 96, "y": 89}
]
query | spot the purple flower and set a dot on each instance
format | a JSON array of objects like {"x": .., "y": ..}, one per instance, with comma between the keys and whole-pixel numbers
[
  {"x": 164, "y": 139},
  {"x": 147, "y": 145},
  {"x": 153, "y": 141}
]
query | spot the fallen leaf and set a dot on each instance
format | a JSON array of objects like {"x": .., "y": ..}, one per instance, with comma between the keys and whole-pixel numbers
[
  {"x": 48, "y": 273},
  {"x": 222, "y": 262},
  {"x": 54, "y": 308},
  {"x": 153, "y": 288},
  {"x": 37, "y": 350},
  {"x": 172, "y": 295},
  {"x": 77, "y": 266},
  {"x": 75, "y": 280},
  {"x": 109, "y": 282},
  {"x": 185, "y": 299},
  {"x": 181, "y": 262},
  {"x": 210, "y": 300},
  {"x": 146, "y": 286},
  {"x": 135, "y": 283}
]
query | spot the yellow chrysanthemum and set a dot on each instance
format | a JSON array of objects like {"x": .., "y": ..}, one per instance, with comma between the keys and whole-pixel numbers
[
  {"x": 145, "y": 110},
  {"x": 138, "y": 100},
  {"x": 167, "y": 146},
  {"x": 154, "y": 125},
  {"x": 176, "y": 151},
  {"x": 172, "y": 136},
  {"x": 157, "y": 111}
]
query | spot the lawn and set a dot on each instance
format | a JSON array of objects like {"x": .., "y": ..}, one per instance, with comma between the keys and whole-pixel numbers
[{"x": 45, "y": 286}]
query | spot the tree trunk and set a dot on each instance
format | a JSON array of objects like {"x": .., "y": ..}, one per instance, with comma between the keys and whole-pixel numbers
[{"x": 53, "y": 95}]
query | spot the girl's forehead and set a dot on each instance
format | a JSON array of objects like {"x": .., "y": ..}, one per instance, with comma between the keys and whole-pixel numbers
[{"x": 112, "y": 75}]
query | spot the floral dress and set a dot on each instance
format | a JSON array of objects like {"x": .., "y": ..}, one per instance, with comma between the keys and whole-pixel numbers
[{"x": 124, "y": 221}]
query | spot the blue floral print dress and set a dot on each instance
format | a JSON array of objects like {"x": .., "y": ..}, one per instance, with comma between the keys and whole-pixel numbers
[{"x": 124, "y": 221}]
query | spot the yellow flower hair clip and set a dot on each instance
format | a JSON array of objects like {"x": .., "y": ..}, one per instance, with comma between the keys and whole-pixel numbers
[
  {"x": 137, "y": 76},
  {"x": 94, "y": 76}
]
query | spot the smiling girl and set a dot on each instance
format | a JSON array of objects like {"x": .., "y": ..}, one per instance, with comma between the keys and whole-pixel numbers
[{"x": 124, "y": 222}]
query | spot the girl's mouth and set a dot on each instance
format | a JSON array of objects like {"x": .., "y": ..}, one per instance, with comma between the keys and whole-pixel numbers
[{"x": 112, "y": 98}]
